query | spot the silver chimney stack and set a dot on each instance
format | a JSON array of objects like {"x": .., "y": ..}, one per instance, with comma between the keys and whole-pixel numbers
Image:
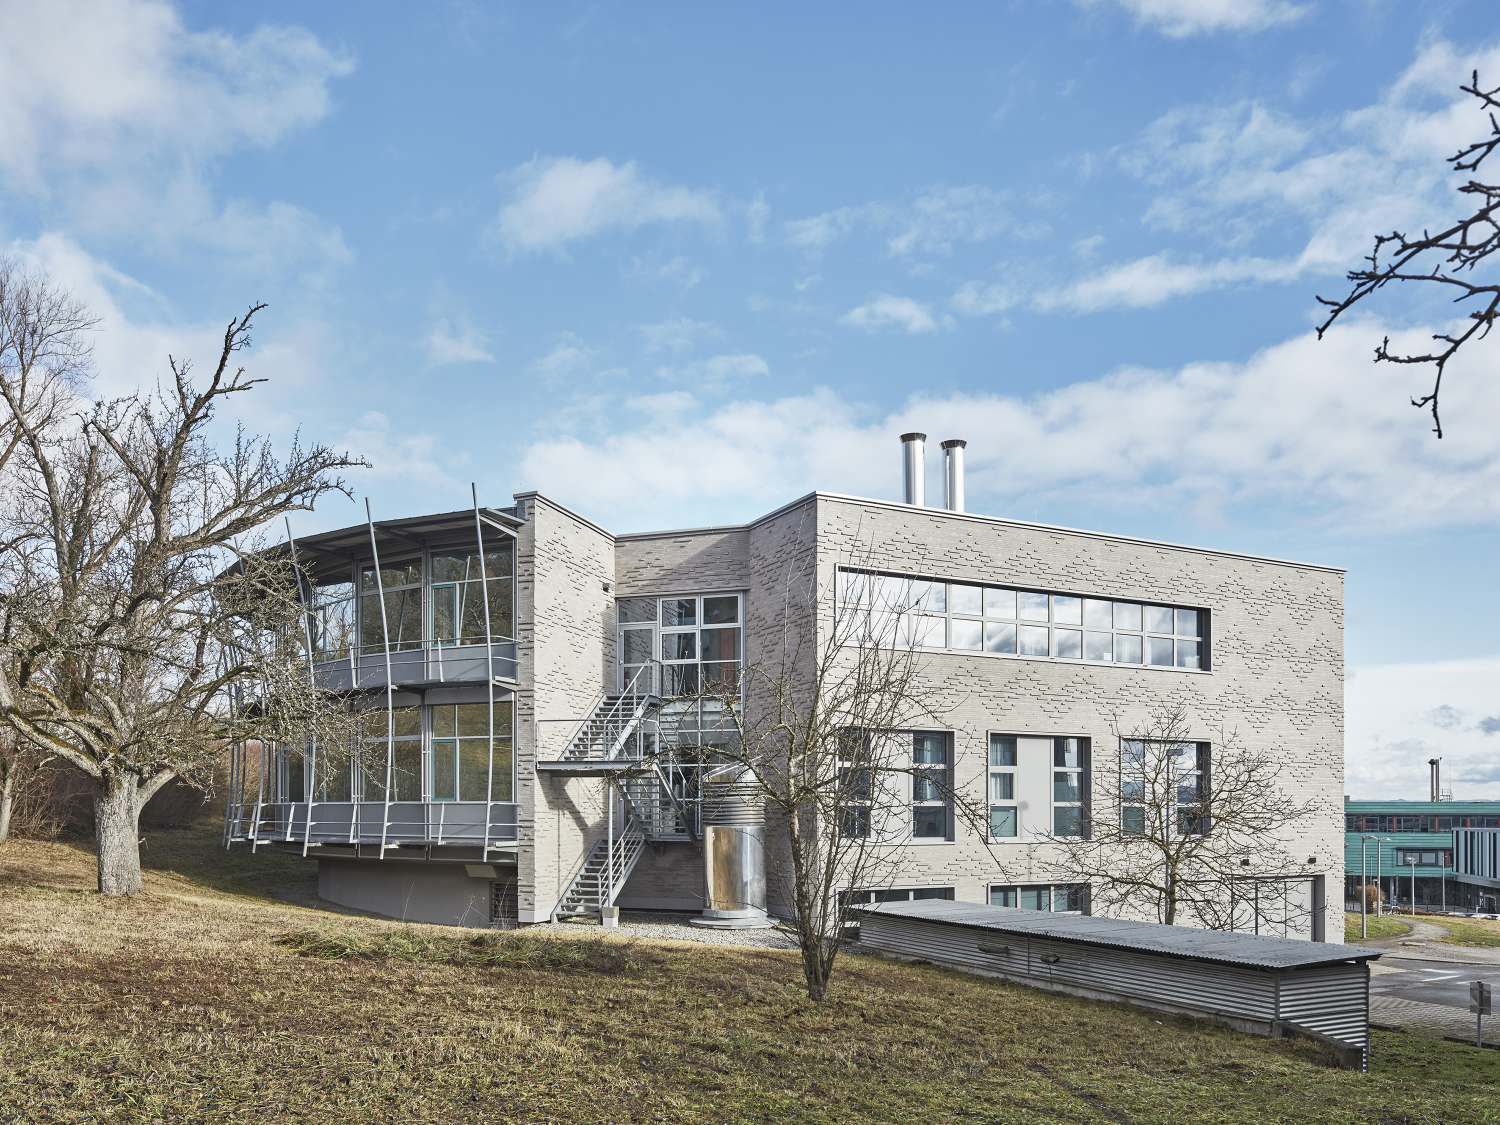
[
  {"x": 914, "y": 468},
  {"x": 953, "y": 477},
  {"x": 1437, "y": 789}
]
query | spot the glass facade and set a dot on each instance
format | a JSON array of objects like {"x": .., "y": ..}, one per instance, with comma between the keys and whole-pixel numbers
[
  {"x": 1058, "y": 898},
  {"x": 1163, "y": 787}
]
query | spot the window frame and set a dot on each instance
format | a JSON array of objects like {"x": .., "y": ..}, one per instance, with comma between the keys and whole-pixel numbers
[
  {"x": 1084, "y": 773},
  {"x": 1201, "y": 772},
  {"x": 1083, "y": 889}
]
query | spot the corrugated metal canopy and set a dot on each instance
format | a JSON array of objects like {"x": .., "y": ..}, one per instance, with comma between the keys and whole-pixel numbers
[{"x": 1247, "y": 950}]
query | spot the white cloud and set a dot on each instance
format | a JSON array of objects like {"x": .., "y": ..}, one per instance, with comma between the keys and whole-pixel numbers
[
  {"x": 1399, "y": 715},
  {"x": 117, "y": 112},
  {"x": 1311, "y": 426},
  {"x": 677, "y": 334},
  {"x": 757, "y": 215},
  {"x": 717, "y": 371},
  {"x": 1146, "y": 282},
  {"x": 569, "y": 358},
  {"x": 886, "y": 311},
  {"x": 453, "y": 342},
  {"x": 397, "y": 454},
  {"x": 975, "y": 298},
  {"x": 676, "y": 270},
  {"x": 1182, "y": 18},
  {"x": 555, "y": 200},
  {"x": 930, "y": 223}
]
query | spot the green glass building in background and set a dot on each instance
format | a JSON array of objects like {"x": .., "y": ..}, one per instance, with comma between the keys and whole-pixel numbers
[{"x": 1393, "y": 841}]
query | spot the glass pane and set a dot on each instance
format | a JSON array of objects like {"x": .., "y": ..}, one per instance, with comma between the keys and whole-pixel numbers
[
  {"x": 679, "y": 646},
  {"x": 1000, "y": 603},
  {"x": 392, "y": 575},
  {"x": 502, "y": 608},
  {"x": 1036, "y": 898},
  {"x": 930, "y": 749},
  {"x": 1127, "y": 649},
  {"x": 1067, "y": 753},
  {"x": 1002, "y": 750},
  {"x": 1097, "y": 615},
  {"x": 474, "y": 719},
  {"x": 1133, "y": 820},
  {"x": 966, "y": 599},
  {"x": 1003, "y": 824},
  {"x": 1128, "y": 616},
  {"x": 1158, "y": 619},
  {"x": 407, "y": 722},
  {"x": 1159, "y": 651},
  {"x": 1069, "y": 643},
  {"x": 679, "y": 611},
  {"x": 721, "y": 677},
  {"x": 1002, "y": 787},
  {"x": 967, "y": 634},
  {"x": 999, "y": 638},
  {"x": 636, "y": 610},
  {"x": 721, "y": 610},
  {"x": 1132, "y": 789},
  {"x": 444, "y": 723},
  {"x": 406, "y": 771},
  {"x": 720, "y": 644},
  {"x": 930, "y": 822},
  {"x": 1033, "y": 640},
  {"x": 854, "y": 588},
  {"x": 1002, "y": 896},
  {"x": 1187, "y": 623},
  {"x": 1070, "y": 896},
  {"x": 1098, "y": 646},
  {"x": 893, "y": 593},
  {"x": 444, "y": 765},
  {"x": 1067, "y": 611},
  {"x": 1065, "y": 788},
  {"x": 929, "y": 785},
  {"x": 635, "y": 645},
  {"x": 1187, "y": 654},
  {"x": 944, "y": 893},
  {"x": 680, "y": 679},
  {"x": 929, "y": 596},
  {"x": 445, "y": 614},
  {"x": 929, "y": 632},
  {"x": 1067, "y": 820},
  {"x": 1033, "y": 606}
]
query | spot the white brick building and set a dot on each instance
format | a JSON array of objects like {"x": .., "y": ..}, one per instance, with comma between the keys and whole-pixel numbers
[{"x": 1042, "y": 643}]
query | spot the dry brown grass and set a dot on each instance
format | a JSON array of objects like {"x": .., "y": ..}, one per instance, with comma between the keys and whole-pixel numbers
[{"x": 208, "y": 999}]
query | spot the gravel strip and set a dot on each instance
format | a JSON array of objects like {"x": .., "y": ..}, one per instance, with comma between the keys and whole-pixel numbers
[{"x": 675, "y": 927}]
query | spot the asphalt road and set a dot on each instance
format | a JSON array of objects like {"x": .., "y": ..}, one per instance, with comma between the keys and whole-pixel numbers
[{"x": 1434, "y": 982}]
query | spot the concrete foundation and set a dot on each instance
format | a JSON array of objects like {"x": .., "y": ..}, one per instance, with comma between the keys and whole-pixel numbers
[{"x": 445, "y": 893}]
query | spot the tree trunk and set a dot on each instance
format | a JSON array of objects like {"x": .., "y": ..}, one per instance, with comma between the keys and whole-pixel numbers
[
  {"x": 7, "y": 797},
  {"x": 117, "y": 834}
]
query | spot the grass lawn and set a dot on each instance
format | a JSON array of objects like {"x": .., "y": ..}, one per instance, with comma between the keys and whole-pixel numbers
[
  {"x": 1381, "y": 926},
  {"x": 208, "y": 999},
  {"x": 1469, "y": 931}
]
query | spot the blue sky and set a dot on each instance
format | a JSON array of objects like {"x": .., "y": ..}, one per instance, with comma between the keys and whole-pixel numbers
[{"x": 677, "y": 264}]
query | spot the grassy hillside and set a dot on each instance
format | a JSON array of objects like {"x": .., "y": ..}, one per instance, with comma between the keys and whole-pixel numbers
[{"x": 209, "y": 999}]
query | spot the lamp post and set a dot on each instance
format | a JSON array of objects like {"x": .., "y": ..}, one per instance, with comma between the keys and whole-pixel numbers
[
  {"x": 1364, "y": 884},
  {"x": 1413, "y": 863}
]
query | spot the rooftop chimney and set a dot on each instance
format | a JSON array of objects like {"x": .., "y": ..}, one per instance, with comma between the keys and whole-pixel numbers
[
  {"x": 953, "y": 477},
  {"x": 1437, "y": 788},
  {"x": 914, "y": 468}
]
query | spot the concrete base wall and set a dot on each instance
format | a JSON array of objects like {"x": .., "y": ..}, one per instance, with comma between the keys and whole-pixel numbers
[
  {"x": 413, "y": 892},
  {"x": 667, "y": 877}
]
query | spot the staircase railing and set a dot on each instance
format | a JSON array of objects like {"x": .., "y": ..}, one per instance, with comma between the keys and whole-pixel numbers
[{"x": 614, "y": 713}]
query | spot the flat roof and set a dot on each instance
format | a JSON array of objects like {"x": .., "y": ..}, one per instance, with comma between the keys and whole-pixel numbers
[
  {"x": 972, "y": 517},
  {"x": 1250, "y": 951},
  {"x": 1403, "y": 806}
]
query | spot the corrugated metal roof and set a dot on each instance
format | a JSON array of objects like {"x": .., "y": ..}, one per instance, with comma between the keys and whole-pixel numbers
[{"x": 1248, "y": 950}]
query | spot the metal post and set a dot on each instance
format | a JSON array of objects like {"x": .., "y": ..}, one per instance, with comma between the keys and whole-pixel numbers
[
  {"x": 609, "y": 805},
  {"x": 1364, "y": 891},
  {"x": 390, "y": 687},
  {"x": 489, "y": 665},
  {"x": 311, "y": 777},
  {"x": 1413, "y": 887}
]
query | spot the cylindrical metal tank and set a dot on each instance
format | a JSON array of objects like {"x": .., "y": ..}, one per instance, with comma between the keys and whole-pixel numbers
[{"x": 734, "y": 849}]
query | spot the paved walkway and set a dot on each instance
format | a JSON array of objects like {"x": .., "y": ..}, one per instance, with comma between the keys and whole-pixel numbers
[
  {"x": 1425, "y": 943},
  {"x": 1428, "y": 1019}
]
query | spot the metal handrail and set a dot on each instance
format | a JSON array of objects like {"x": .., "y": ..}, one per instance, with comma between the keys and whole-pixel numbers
[{"x": 592, "y": 713}]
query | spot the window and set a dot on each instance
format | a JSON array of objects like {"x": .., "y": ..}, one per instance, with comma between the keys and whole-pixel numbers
[
  {"x": 897, "y": 894},
  {"x": 458, "y": 614},
  {"x": 1424, "y": 857},
  {"x": 1058, "y": 898},
  {"x": 896, "y": 611},
  {"x": 931, "y": 786},
  {"x": 1004, "y": 813},
  {"x": 331, "y": 619},
  {"x": 1070, "y": 761},
  {"x": 1163, "y": 787},
  {"x": 856, "y": 785},
  {"x": 400, "y": 756},
  {"x": 699, "y": 641},
  {"x": 402, "y": 622},
  {"x": 461, "y": 752}
]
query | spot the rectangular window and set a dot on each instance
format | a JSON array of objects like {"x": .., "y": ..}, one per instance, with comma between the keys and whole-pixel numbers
[
  {"x": 458, "y": 612},
  {"x": 1057, "y": 898},
  {"x": 1070, "y": 786},
  {"x": 898, "y": 894},
  {"x": 1164, "y": 787},
  {"x": 856, "y": 785},
  {"x": 1004, "y": 813},
  {"x": 391, "y": 746},
  {"x": 331, "y": 619},
  {"x": 401, "y": 624},
  {"x": 460, "y": 763},
  {"x": 932, "y": 786},
  {"x": 966, "y": 617}
]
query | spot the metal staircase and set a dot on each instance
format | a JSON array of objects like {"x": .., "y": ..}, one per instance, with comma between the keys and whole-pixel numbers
[{"x": 621, "y": 740}]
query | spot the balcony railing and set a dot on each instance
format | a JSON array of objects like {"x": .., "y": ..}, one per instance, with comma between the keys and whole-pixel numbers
[
  {"x": 428, "y": 663},
  {"x": 436, "y": 823}
]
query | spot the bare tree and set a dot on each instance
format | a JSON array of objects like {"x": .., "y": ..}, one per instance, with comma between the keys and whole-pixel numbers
[
  {"x": 1184, "y": 834},
  {"x": 1448, "y": 259},
  {"x": 135, "y": 609},
  {"x": 826, "y": 728}
]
